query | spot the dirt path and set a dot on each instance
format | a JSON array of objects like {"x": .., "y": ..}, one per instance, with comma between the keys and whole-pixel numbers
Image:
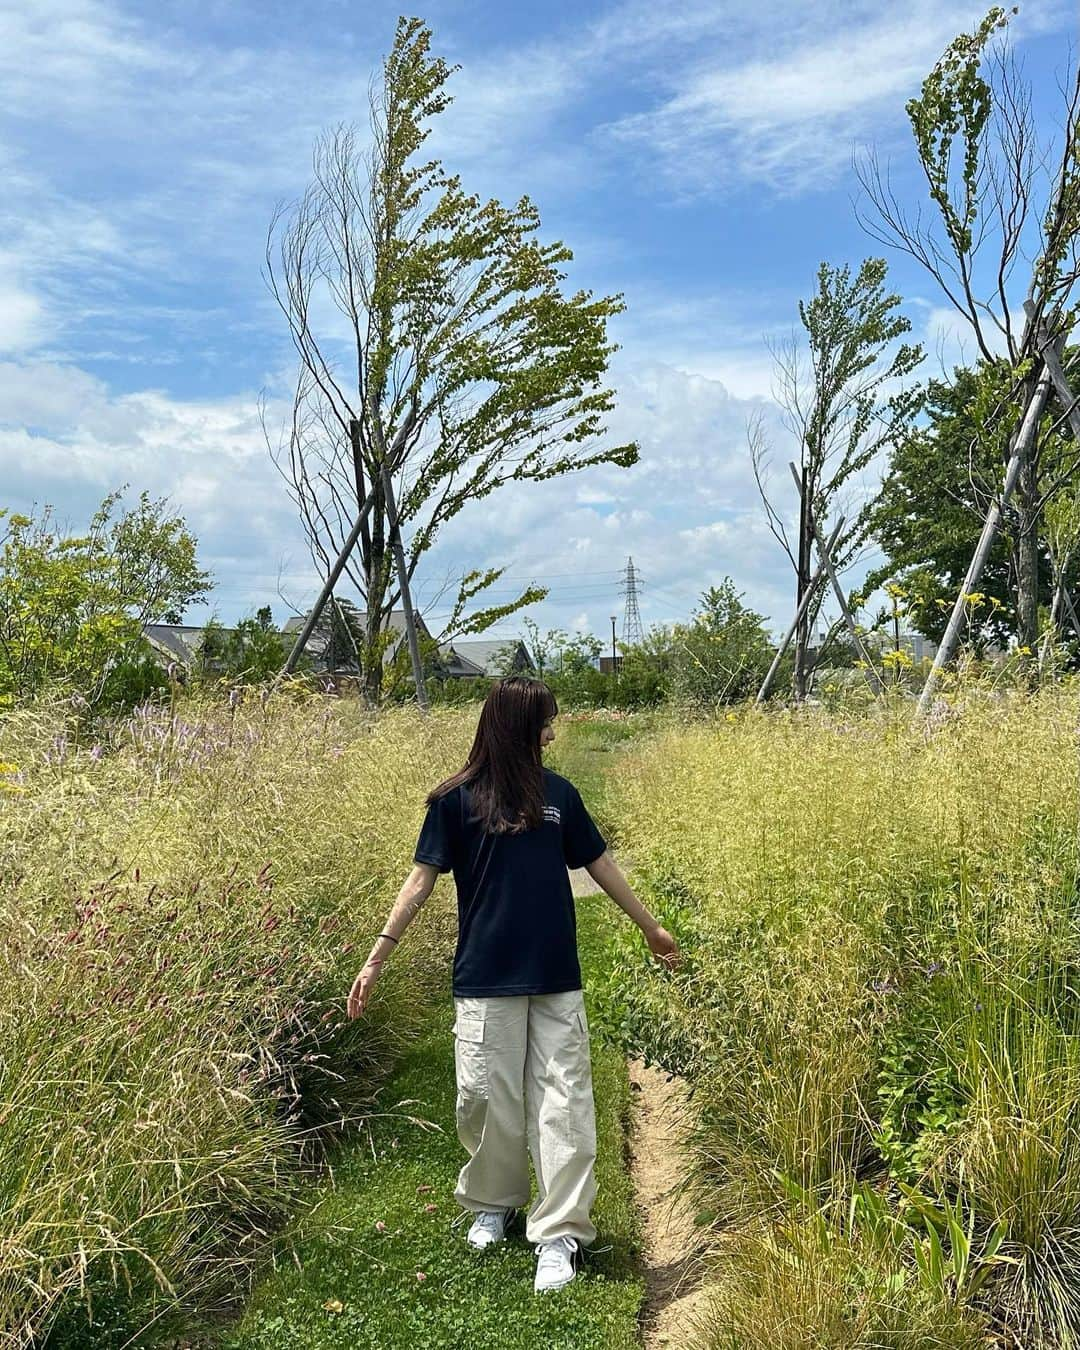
[
  {"x": 672, "y": 1274},
  {"x": 670, "y": 1256}
]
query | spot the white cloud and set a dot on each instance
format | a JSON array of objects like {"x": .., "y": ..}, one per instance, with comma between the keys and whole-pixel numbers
[
  {"x": 787, "y": 113},
  {"x": 199, "y": 139},
  {"x": 22, "y": 320},
  {"x": 66, "y": 440},
  {"x": 688, "y": 513}
]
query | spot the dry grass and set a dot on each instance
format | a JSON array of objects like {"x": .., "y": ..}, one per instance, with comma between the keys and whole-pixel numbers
[
  {"x": 880, "y": 929},
  {"x": 185, "y": 903}
]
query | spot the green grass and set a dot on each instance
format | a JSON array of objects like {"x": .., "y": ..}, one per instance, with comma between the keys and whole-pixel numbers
[
  {"x": 587, "y": 750},
  {"x": 334, "y": 1255}
]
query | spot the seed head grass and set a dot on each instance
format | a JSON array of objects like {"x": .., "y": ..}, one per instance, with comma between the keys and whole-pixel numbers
[
  {"x": 187, "y": 895},
  {"x": 880, "y": 988}
]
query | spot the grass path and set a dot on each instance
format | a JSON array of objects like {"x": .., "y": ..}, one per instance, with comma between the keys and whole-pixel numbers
[{"x": 342, "y": 1281}]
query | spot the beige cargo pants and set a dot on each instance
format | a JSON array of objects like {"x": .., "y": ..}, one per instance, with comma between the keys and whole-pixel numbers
[{"x": 524, "y": 1080}]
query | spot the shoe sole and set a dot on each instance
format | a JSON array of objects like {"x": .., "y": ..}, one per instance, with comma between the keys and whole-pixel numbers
[{"x": 550, "y": 1288}]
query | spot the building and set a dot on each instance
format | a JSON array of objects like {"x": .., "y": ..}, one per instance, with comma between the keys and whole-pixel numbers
[
  {"x": 177, "y": 642},
  {"x": 466, "y": 659},
  {"x": 319, "y": 640},
  {"x": 919, "y": 648},
  {"x": 475, "y": 659}
]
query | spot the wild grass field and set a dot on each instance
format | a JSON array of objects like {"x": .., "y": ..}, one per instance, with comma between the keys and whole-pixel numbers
[
  {"x": 879, "y": 1013},
  {"x": 876, "y": 1010},
  {"x": 185, "y": 904}
]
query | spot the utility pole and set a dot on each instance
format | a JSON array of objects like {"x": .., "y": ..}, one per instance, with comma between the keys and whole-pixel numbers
[{"x": 613, "y": 657}]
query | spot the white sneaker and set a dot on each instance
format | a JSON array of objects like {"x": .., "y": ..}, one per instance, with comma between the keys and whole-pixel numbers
[
  {"x": 557, "y": 1264},
  {"x": 488, "y": 1227}
]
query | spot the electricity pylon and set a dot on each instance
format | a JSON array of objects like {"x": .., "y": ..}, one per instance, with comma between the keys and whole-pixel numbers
[{"x": 632, "y": 579}]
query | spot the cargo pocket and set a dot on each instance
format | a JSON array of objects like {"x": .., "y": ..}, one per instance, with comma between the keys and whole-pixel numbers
[{"x": 470, "y": 1063}]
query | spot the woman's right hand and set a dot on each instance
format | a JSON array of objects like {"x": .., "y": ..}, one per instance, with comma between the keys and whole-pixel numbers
[
  {"x": 361, "y": 989},
  {"x": 664, "y": 947}
]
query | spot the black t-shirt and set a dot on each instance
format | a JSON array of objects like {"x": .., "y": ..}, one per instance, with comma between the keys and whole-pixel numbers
[{"x": 517, "y": 927}]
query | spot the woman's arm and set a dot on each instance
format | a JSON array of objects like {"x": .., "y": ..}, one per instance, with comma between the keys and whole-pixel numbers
[
  {"x": 418, "y": 886},
  {"x": 607, "y": 874}
]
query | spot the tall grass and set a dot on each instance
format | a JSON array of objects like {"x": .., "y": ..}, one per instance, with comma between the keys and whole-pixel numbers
[
  {"x": 880, "y": 990},
  {"x": 185, "y": 901}
]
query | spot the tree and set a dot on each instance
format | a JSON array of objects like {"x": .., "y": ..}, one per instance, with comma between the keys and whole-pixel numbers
[
  {"x": 721, "y": 655},
  {"x": 558, "y": 653},
  {"x": 999, "y": 196},
  {"x": 840, "y": 414},
  {"x": 73, "y": 608},
  {"x": 1063, "y": 550},
  {"x": 940, "y": 479},
  {"x": 460, "y": 365},
  {"x": 250, "y": 653}
]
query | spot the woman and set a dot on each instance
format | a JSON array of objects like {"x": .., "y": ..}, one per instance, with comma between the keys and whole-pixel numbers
[{"x": 509, "y": 828}]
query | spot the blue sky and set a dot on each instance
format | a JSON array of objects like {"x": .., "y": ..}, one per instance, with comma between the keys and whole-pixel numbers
[{"x": 696, "y": 157}]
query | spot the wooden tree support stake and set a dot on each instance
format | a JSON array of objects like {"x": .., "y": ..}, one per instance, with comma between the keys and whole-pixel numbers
[
  {"x": 1024, "y": 439},
  {"x": 403, "y": 586},
  {"x": 1072, "y": 612},
  {"x": 324, "y": 594},
  {"x": 804, "y": 605},
  {"x": 1050, "y": 377}
]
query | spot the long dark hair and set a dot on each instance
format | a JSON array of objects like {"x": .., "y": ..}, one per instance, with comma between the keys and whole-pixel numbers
[{"x": 504, "y": 770}]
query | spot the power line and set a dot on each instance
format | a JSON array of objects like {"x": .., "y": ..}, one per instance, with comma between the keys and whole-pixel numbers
[{"x": 531, "y": 576}]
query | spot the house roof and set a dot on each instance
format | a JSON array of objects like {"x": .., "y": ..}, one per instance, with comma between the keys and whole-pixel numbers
[
  {"x": 482, "y": 656},
  {"x": 467, "y": 656},
  {"x": 176, "y": 640},
  {"x": 395, "y": 621},
  {"x": 316, "y": 643}
]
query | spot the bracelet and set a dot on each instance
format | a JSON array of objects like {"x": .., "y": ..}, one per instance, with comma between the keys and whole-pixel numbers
[{"x": 387, "y": 935}]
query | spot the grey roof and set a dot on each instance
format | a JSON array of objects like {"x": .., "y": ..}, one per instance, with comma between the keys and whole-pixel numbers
[
  {"x": 479, "y": 656},
  {"x": 176, "y": 640},
  {"x": 466, "y": 657},
  {"x": 318, "y": 640}
]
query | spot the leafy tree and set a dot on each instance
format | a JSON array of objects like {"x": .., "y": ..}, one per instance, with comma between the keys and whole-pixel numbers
[
  {"x": 558, "y": 653},
  {"x": 72, "y": 608},
  {"x": 722, "y": 654},
  {"x": 836, "y": 404},
  {"x": 250, "y": 653},
  {"x": 1002, "y": 192},
  {"x": 468, "y": 364},
  {"x": 931, "y": 507}
]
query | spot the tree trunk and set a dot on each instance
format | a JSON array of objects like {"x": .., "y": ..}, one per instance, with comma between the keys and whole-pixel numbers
[
  {"x": 376, "y": 591},
  {"x": 1027, "y": 555}
]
